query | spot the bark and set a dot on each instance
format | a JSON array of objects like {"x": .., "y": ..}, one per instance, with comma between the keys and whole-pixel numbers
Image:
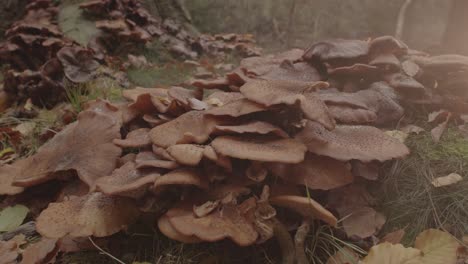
[{"x": 456, "y": 36}]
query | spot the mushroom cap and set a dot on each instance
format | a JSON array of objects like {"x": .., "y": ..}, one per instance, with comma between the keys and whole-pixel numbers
[
  {"x": 352, "y": 116},
  {"x": 191, "y": 127},
  {"x": 78, "y": 63},
  {"x": 94, "y": 214},
  {"x": 254, "y": 127},
  {"x": 220, "y": 224},
  {"x": 137, "y": 138},
  {"x": 148, "y": 159},
  {"x": 223, "y": 98},
  {"x": 386, "y": 45},
  {"x": 305, "y": 206},
  {"x": 290, "y": 71},
  {"x": 220, "y": 160},
  {"x": 85, "y": 146},
  {"x": 336, "y": 49},
  {"x": 260, "y": 148},
  {"x": 315, "y": 172},
  {"x": 186, "y": 154},
  {"x": 236, "y": 108},
  {"x": 183, "y": 176},
  {"x": 168, "y": 230},
  {"x": 126, "y": 179},
  {"x": 364, "y": 143},
  {"x": 271, "y": 93}
]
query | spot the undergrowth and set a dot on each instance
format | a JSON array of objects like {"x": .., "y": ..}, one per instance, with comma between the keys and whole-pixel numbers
[
  {"x": 408, "y": 198},
  {"x": 164, "y": 75}
]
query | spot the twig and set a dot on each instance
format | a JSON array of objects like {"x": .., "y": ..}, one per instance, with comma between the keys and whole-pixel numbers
[{"x": 105, "y": 252}]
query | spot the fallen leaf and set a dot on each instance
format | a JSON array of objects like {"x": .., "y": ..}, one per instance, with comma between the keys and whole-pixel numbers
[
  {"x": 439, "y": 130},
  {"x": 12, "y": 217},
  {"x": 450, "y": 179},
  {"x": 387, "y": 253},
  {"x": 438, "y": 247},
  {"x": 400, "y": 135},
  {"x": 410, "y": 129},
  {"x": 40, "y": 252}
]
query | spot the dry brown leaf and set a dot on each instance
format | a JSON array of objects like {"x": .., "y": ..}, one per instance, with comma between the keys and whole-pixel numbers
[
  {"x": 394, "y": 237},
  {"x": 361, "y": 222},
  {"x": 40, "y": 252}
]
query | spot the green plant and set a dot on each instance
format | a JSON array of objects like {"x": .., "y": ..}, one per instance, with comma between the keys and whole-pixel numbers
[{"x": 165, "y": 75}]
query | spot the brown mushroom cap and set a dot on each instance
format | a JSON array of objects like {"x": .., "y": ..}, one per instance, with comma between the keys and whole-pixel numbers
[
  {"x": 184, "y": 176},
  {"x": 137, "y": 138},
  {"x": 352, "y": 116},
  {"x": 236, "y": 108},
  {"x": 85, "y": 146},
  {"x": 126, "y": 179},
  {"x": 94, "y": 214},
  {"x": 270, "y": 93},
  {"x": 254, "y": 127},
  {"x": 220, "y": 224},
  {"x": 220, "y": 160},
  {"x": 260, "y": 148},
  {"x": 222, "y": 98},
  {"x": 306, "y": 207},
  {"x": 148, "y": 159},
  {"x": 186, "y": 154},
  {"x": 336, "y": 49},
  {"x": 315, "y": 172},
  {"x": 191, "y": 127},
  {"x": 290, "y": 71},
  {"x": 364, "y": 143},
  {"x": 168, "y": 230}
]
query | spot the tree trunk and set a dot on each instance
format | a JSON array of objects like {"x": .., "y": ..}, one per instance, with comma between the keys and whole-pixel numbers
[{"x": 456, "y": 36}]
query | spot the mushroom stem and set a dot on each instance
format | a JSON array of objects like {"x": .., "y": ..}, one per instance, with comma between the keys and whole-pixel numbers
[
  {"x": 299, "y": 242},
  {"x": 285, "y": 242}
]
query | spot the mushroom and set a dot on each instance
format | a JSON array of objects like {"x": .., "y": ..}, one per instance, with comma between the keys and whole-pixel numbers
[
  {"x": 183, "y": 176},
  {"x": 236, "y": 108},
  {"x": 254, "y": 127},
  {"x": 127, "y": 179},
  {"x": 220, "y": 224},
  {"x": 260, "y": 148},
  {"x": 315, "y": 172},
  {"x": 78, "y": 63},
  {"x": 191, "y": 127},
  {"x": 306, "y": 207},
  {"x": 337, "y": 51},
  {"x": 85, "y": 146},
  {"x": 186, "y": 154},
  {"x": 364, "y": 143},
  {"x": 94, "y": 214},
  {"x": 137, "y": 138},
  {"x": 7, "y": 177},
  {"x": 148, "y": 159},
  {"x": 168, "y": 230},
  {"x": 271, "y": 93}
]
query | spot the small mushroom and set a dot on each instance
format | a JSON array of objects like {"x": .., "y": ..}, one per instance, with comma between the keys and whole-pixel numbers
[
  {"x": 168, "y": 230},
  {"x": 254, "y": 127},
  {"x": 183, "y": 176},
  {"x": 137, "y": 138},
  {"x": 186, "y": 154},
  {"x": 236, "y": 108},
  {"x": 126, "y": 179},
  {"x": 148, "y": 159},
  {"x": 306, "y": 207}
]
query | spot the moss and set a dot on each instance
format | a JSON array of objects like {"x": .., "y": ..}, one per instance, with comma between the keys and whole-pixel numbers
[
  {"x": 407, "y": 196},
  {"x": 164, "y": 75}
]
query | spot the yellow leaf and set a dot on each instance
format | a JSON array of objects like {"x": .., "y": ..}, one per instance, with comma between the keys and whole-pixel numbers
[
  {"x": 387, "y": 253},
  {"x": 447, "y": 180},
  {"x": 438, "y": 247}
]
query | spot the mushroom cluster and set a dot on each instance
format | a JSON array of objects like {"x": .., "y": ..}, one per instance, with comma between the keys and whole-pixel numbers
[
  {"x": 129, "y": 21},
  {"x": 41, "y": 57},
  {"x": 280, "y": 142}
]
